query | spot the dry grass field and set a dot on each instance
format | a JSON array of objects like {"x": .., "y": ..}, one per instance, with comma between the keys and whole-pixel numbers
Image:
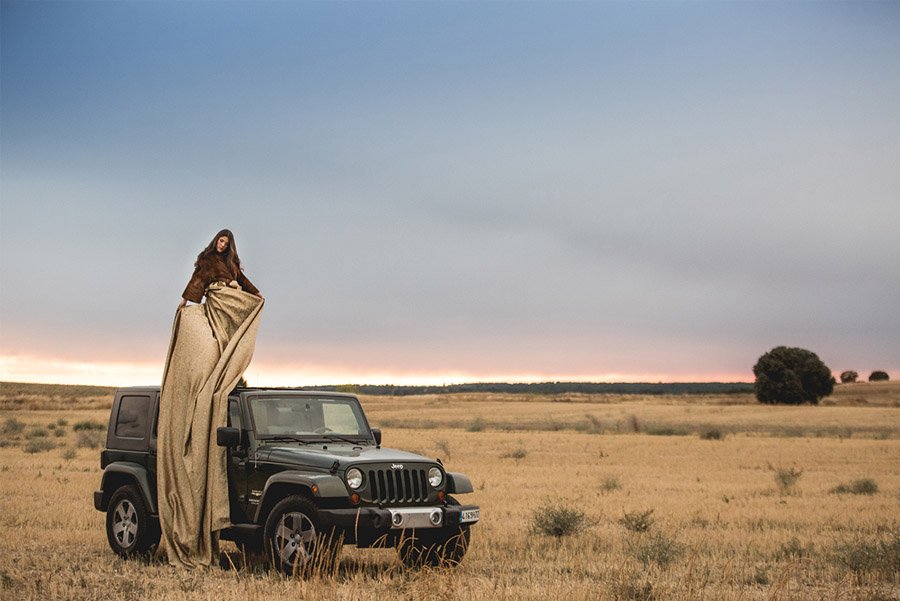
[{"x": 743, "y": 501}]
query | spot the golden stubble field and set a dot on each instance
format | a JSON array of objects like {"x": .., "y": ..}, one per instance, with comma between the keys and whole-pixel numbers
[{"x": 722, "y": 525}]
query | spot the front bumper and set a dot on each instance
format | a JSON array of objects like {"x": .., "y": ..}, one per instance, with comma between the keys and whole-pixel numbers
[{"x": 373, "y": 526}]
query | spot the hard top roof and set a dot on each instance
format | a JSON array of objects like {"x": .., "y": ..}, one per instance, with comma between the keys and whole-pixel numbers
[{"x": 250, "y": 389}]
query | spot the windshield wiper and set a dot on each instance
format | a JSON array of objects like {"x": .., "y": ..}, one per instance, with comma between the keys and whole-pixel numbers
[
  {"x": 336, "y": 437},
  {"x": 285, "y": 437}
]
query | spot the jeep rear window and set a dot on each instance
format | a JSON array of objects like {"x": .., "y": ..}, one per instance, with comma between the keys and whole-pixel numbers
[
  {"x": 275, "y": 416},
  {"x": 131, "y": 422}
]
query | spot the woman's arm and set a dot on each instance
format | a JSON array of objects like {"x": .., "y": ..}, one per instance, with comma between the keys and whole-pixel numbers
[
  {"x": 194, "y": 290},
  {"x": 246, "y": 285}
]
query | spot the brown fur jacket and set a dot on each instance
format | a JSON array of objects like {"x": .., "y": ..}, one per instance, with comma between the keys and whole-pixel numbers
[{"x": 213, "y": 269}]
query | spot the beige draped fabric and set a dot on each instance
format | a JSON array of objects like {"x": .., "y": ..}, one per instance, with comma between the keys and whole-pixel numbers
[{"x": 211, "y": 346}]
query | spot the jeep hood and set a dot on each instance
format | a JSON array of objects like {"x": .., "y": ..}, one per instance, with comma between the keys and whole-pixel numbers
[{"x": 324, "y": 456}]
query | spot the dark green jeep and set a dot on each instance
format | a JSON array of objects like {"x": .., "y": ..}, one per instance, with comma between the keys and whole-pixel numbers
[{"x": 306, "y": 474}]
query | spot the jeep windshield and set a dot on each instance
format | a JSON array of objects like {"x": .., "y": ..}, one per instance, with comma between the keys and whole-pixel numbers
[{"x": 304, "y": 418}]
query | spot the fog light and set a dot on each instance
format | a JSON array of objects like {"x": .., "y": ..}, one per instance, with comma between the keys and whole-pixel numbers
[
  {"x": 397, "y": 519},
  {"x": 436, "y": 517}
]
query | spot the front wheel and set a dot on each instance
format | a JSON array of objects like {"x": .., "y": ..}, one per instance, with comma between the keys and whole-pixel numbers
[
  {"x": 294, "y": 539},
  {"x": 129, "y": 528}
]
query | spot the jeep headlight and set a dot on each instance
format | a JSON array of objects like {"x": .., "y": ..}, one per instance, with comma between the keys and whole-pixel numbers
[
  {"x": 354, "y": 478},
  {"x": 435, "y": 477}
]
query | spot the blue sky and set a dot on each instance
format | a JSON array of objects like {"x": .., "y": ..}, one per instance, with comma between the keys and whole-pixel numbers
[{"x": 446, "y": 192}]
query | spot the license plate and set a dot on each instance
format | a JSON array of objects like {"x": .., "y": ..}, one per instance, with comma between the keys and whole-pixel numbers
[{"x": 469, "y": 515}]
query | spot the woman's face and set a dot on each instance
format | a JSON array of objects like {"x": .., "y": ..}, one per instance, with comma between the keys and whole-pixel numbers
[{"x": 222, "y": 244}]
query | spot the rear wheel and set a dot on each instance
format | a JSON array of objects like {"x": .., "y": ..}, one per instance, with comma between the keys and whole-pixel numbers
[
  {"x": 129, "y": 528},
  {"x": 294, "y": 539}
]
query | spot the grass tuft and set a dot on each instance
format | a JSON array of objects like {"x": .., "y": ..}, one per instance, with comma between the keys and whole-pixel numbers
[
  {"x": 712, "y": 434},
  {"x": 89, "y": 439},
  {"x": 786, "y": 478},
  {"x": 609, "y": 484},
  {"x": 862, "y": 486},
  {"x": 12, "y": 426},
  {"x": 637, "y": 521},
  {"x": 556, "y": 519},
  {"x": 39, "y": 445},
  {"x": 477, "y": 425},
  {"x": 654, "y": 548},
  {"x": 516, "y": 454}
]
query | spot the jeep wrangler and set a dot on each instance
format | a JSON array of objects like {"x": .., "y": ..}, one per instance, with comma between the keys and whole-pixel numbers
[{"x": 306, "y": 474}]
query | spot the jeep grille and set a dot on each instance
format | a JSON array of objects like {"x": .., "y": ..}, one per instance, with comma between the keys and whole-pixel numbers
[{"x": 398, "y": 486}]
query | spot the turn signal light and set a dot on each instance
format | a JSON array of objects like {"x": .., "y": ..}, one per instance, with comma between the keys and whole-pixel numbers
[
  {"x": 315, "y": 489},
  {"x": 441, "y": 496},
  {"x": 354, "y": 498}
]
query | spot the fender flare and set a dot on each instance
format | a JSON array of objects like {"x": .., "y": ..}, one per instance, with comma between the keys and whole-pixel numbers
[
  {"x": 319, "y": 486},
  {"x": 458, "y": 483},
  {"x": 134, "y": 471}
]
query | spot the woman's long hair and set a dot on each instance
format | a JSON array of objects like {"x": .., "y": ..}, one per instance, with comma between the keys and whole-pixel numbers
[{"x": 230, "y": 255}]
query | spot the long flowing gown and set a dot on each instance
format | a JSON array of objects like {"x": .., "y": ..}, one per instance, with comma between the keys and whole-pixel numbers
[{"x": 211, "y": 346}]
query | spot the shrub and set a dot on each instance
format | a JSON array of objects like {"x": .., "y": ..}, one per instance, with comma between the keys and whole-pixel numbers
[
  {"x": 655, "y": 548},
  {"x": 477, "y": 425},
  {"x": 36, "y": 433},
  {"x": 793, "y": 549},
  {"x": 610, "y": 483},
  {"x": 879, "y": 376},
  {"x": 712, "y": 434},
  {"x": 40, "y": 445},
  {"x": 848, "y": 377},
  {"x": 786, "y": 478},
  {"x": 90, "y": 439},
  {"x": 13, "y": 426},
  {"x": 860, "y": 555},
  {"x": 69, "y": 454},
  {"x": 637, "y": 521},
  {"x": 791, "y": 376},
  {"x": 556, "y": 520},
  {"x": 517, "y": 454},
  {"x": 88, "y": 425},
  {"x": 59, "y": 433},
  {"x": 862, "y": 486},
  {"x": 632, "y": 589}
]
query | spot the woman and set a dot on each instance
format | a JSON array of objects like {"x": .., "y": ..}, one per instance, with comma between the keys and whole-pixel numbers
[
  {"x": 211, "y": 346},
  {"x": 219, "y": 261}
]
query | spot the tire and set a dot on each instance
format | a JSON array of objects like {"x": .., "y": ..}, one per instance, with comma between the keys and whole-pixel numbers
[
  {"x": 130, "y": 529},
  {"x": 294, "y": 539},
  {"x": 426, "y": 548}
]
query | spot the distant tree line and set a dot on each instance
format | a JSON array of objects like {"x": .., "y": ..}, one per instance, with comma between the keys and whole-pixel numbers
[{"x": 673, "y": 388}]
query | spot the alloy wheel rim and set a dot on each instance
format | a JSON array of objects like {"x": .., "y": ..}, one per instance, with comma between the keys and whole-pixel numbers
[
  {"x": 295, "y": 538},
  {"x": 125, "y": 523}
]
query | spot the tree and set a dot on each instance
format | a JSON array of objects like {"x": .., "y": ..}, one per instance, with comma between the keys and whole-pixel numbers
[
  {"x": 791, "y": 376},
  {"x": 879, "y": 376},
  {"x": 848, "y": 377},
  {"x": 242, "y": 383}
]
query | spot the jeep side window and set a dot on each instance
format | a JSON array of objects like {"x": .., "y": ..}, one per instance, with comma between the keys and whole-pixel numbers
[
  {"x": 234, "y": 415},
  {"x": 131, "y": 422}
]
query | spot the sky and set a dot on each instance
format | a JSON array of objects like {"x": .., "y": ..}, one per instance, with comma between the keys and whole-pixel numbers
[{"x": 453, "y": 192}]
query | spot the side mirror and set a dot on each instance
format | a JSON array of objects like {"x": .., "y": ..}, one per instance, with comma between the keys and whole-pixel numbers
[
  {"x": 228, "y": 437},
  {"x": 376, "y": 432}
]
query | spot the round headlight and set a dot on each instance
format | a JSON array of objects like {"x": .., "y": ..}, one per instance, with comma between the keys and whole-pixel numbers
[
  {"x": 435, "y": 477},
  {"x": 354, "y": 478}
]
